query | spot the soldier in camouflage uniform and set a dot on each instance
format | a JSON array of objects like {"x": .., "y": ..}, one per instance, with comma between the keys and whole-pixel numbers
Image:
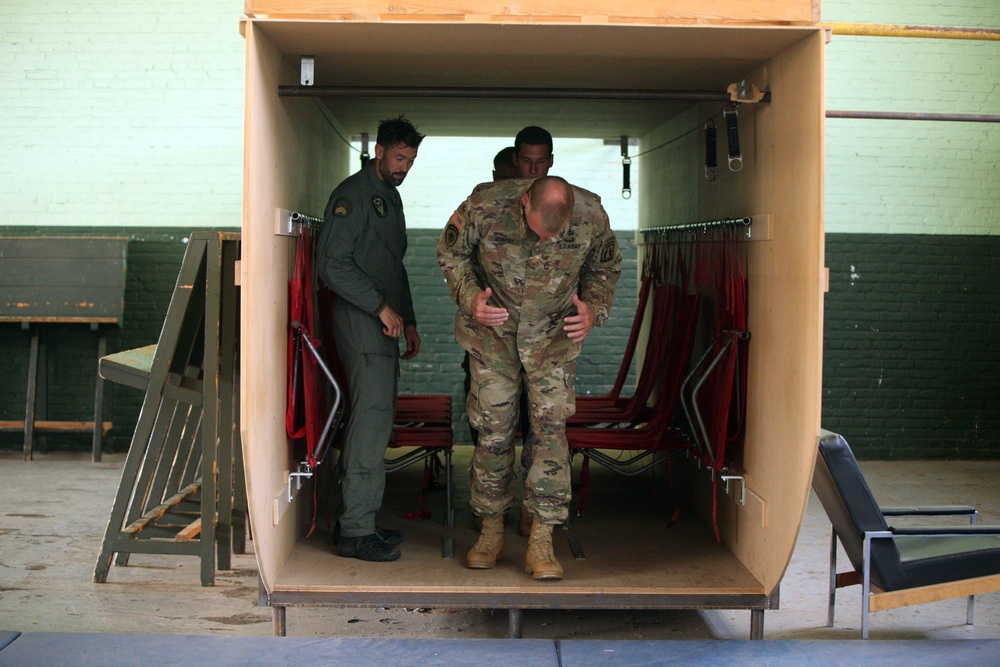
[
  {"x": 532, "y": 266},
  {"x": 360, "y": 257}
]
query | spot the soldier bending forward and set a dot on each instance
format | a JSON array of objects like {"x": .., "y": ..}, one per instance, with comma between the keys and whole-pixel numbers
[{"x": 547, "y": 263}]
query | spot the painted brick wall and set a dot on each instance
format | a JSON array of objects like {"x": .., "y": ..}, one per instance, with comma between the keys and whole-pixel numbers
[
  {"x": 911, "y": 363},
  {"x": 912, "y": 177},
  {"x": 121, "y": 112}
]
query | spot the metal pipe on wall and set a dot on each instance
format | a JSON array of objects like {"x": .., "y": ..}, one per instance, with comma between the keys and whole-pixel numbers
[
  {"x": 919, "y": 31},
  {"x": 508, "y": 93},
  {"x": 915, "y": 115}
]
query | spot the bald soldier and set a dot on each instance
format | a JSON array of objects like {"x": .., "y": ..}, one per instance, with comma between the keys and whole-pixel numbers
[{"x": 547, "y": 263}]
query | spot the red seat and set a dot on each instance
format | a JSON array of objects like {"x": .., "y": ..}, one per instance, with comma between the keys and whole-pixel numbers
[{"x": 654, "y": 433}]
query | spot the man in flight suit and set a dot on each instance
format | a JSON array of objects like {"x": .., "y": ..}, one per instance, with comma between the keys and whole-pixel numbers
[
  {"x": 360, "y": 258},
  {"x": 532, "y": 267}
]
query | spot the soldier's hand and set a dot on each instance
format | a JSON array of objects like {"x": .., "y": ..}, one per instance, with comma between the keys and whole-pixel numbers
[
  {"x": 392, "y": 321},
  {"x": 412, "y": 341},
  {"x": 579, "y": 325},
  {"x": 486, "y": 314}
]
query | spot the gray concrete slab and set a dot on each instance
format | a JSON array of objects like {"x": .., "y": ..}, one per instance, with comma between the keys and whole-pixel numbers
[{"x": 53, "y": 512}]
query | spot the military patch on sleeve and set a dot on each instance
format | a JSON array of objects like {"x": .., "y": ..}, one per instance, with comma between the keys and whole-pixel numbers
[
  {"x": 608, "y": 251},
  {"x": 342, "y": 207},
  {"x": 450, "y": 235},
  {"x": 456, "y": 219},
  {"x": 381, "y": 207}
]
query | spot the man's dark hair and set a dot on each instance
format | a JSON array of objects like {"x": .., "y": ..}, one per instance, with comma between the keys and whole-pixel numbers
[
  {"x": 394, "y": 131},
  {"x": 505, "y": 158},
  {"x": 535, "y": 136}
]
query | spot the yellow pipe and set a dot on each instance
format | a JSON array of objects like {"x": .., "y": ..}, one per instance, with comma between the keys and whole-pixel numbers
[{"x": 922, "y": 31}]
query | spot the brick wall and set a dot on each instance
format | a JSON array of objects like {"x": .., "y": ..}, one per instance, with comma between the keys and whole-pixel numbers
[
  {"x": 121, "y": 113},
  {"x": 911, "y": 363},
  {"x": 912, "y": 177}
]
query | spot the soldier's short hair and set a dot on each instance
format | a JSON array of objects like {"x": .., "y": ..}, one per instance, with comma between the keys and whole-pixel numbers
[
  {"x": 552, "y": 198},
  {"x": 393, "y": 131},
  {"x": 535, "y": 136},
  {"x": 504, "y": 158}
]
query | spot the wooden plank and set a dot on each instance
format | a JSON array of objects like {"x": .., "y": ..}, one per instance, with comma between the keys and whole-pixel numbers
[
  {"x": 674, "y": 11},
  {"x": 946, "y": 591},
  {"x": 67, "y": 426},
  {"x": 191, "y": 532},
  {"x": 128, "y": 367},
  {"x": 848, "y": 579},
  {"x": 158, "y": 511}
]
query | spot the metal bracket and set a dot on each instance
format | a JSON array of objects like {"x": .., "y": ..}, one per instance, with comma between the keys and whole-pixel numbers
[
  {"x": 743, "y": 485},
  {"x": 303, "y": 472},
  {"x": 307, "y": 70}
]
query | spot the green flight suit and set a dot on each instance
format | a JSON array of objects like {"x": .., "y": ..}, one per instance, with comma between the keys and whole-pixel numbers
[{"x": 360, "y": 257}]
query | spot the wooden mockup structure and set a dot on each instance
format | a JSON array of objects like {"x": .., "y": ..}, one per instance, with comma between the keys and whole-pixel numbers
[{"x": 652, "y": 70}]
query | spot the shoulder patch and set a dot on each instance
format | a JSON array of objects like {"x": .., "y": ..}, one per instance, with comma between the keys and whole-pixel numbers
[
  {"x": 342, "y": 207},
  {"x": 380, "y": 205},
  {"x": 457, "y": 220},
  {"x": 608, "y": 251},
  {"x": 451, "y": 235}
]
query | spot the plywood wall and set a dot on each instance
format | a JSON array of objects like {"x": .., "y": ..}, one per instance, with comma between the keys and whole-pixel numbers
[
  {"x": 782, "y": 176},
  {"x": 292, "y": 161}
]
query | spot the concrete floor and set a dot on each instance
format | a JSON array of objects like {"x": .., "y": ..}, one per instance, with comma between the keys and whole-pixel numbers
[{"x": 53, "y": 512}]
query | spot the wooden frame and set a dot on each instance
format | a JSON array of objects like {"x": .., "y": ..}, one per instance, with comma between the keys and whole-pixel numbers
[
  {"x": 588, "y": 11},
  {"x": 293, "y": 157}
]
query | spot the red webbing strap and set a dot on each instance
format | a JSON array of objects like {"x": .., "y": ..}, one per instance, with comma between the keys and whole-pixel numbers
[
  {"x": 424, "y": 512},
  {"x": 633, "y": 339},
  {"x": 305, "y": 400}
]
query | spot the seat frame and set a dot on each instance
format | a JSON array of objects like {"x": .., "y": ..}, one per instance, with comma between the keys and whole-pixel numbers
[{"x": 875, "y": 598}]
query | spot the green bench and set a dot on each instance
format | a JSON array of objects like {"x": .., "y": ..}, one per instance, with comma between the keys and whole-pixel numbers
[{"x": 61, "y": 280}]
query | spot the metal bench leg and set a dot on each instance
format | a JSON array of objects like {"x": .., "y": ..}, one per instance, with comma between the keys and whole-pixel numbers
[
  {"x": 514, "y": 625},
  {"x": 756, "y": 624},
  {"x": 278, "y": 625},
  {"x": 102, "y": 349},
  {"x": 832, "y": 596},
  {"x": 450, "y": 512},
  {"x": 29, "y": 406}
]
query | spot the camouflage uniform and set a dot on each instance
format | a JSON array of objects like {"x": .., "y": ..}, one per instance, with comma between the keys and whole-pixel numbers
[
  {"x": 487, "y": 243},
  {"x": 360, "y": 257}
]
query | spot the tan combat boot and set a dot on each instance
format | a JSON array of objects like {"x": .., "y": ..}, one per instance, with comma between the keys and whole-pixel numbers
[
  {"x": 489, "y": 547},
  {"x": 524, "y": 523},
  {"x": 541, "y": 562}
]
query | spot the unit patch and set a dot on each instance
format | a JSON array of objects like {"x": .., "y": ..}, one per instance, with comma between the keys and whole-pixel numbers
[
  {"x": 342, "y": 207},
  {"x": 608, "y": 251},
  {"x": 450, "y": 235},
  {"x": 381, "y": 207}
]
